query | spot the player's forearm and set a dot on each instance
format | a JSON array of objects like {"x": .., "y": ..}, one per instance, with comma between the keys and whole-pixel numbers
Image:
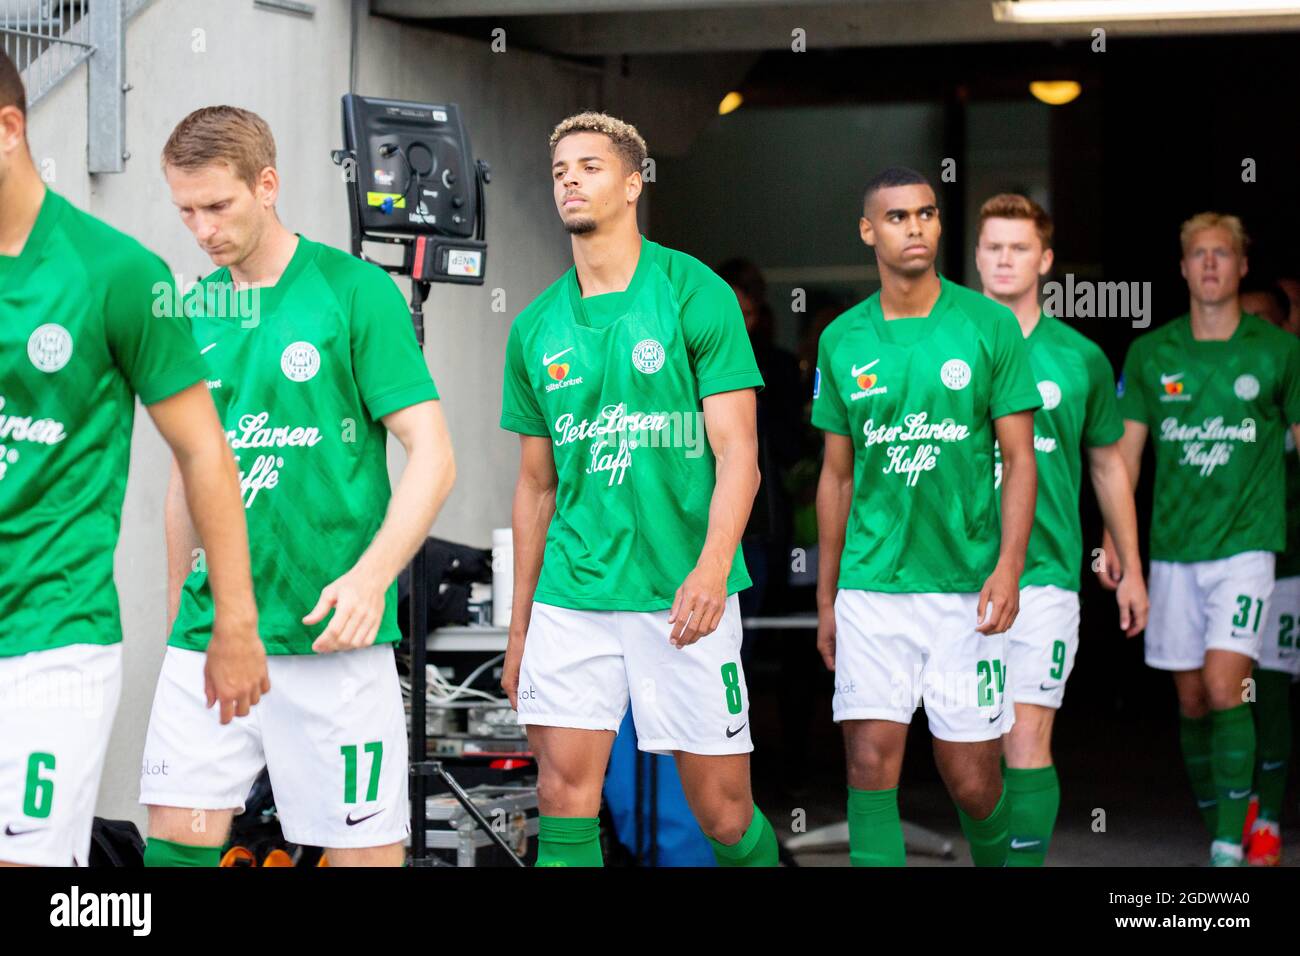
[
  {"x": 1110, "y": 480},
  {"x": 736, "y": 484},
  {"x": 1019, "y": 493},
  {"x": 419, "y": 496},
  {"x": 834, "y": 498},
  {"x": 211, "y": 486},
  {"x": 182, "y": 542},
  {"x": 534, "y": 506}
]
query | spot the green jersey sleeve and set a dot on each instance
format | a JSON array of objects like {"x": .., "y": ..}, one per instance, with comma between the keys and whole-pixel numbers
[
  {"x": 520, "y": 411},
  {"x": 1014, "y": 389},
  {"x": 1132, "y": 399},
  {"x": 387, "y": 361},
  {"x": 716, "y": 340},
  {"x": 1102, "y": 423},
  {"x": 149, "y": 342},
  {"x": 1291, "y": 385},
  {"x": 828, "y": 411}
]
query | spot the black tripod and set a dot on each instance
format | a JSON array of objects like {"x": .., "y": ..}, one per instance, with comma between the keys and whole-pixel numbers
[{"x": 422, "y": 767}]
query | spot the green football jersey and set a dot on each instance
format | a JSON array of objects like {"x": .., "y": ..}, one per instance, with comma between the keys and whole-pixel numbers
[
  {"x": 84, "y": 328},
  {"x": 302, "y": 374},
  {"x": 919, "y": 396},
  {"x": 1077, "y": 387},
  {"x": 1288, "y": 562},
  {"x": 617, "y": 382},
  {"x": 1216, "y": 411}
]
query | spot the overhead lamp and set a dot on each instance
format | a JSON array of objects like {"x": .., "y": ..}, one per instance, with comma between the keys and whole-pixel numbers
[
  {"x": 1055, "y": 92},
  {"x": 729, "y": 103}
]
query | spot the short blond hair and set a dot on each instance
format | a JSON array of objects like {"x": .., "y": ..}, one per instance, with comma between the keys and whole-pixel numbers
[
  {"x": 1016, "y": 206},
  {"x": 222, "y": 134},
  {"x": 1214, "y": 220},
  {"x": 627, "y": 141}
]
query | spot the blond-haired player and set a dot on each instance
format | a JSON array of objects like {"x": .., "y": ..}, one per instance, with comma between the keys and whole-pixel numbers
[{"x": 1217, "y": 390}]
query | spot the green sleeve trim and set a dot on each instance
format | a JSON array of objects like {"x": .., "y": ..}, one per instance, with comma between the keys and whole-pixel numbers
[
  {"x": 827, "y": 423},
  {"x": 730, "y": 382},
  {"x": 174, "y": 381},
  {"x": 394, "y": 400},
  {"x": 1024, "y": 402},
  {"x": 1106, "y": 436},
  {"x": 524, "y": 426}
]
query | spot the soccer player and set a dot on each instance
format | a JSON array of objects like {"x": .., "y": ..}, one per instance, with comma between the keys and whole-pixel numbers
[
  {"x": 1075, "y": 382},
  {"x": 314, "y": 362},
  {"x": 916, "y": 585},
  {"x": 1217, "y": 389},
  {"x": 84, "y": 329},
  {"x": 630, "y": 381},
  {"x": 1279, "y": 662}
]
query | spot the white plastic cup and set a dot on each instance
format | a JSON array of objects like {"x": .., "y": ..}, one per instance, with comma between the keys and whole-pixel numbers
[{"x": 503, "y": 575}]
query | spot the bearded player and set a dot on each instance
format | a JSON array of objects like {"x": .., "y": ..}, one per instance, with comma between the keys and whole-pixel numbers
[
  {"x": 630, "y": 382},
  {"x": 1217, "y": 390},
  {"x": 916, "y": 584},
  {"x": 71, "y": 367},
  {"x": 1077, "y": 386},
  {"x": 314, "y": 362}
]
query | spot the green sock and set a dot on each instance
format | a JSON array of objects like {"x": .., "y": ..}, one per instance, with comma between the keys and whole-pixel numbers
[
  {"x": 568, "y": 841},
  {"x": 756, "y": 848},
  {"x": 166, "y": 853},
  {"x": 1035, "y": 796},
  {"x": 1234, "y": 763},
  {"x": 988, "y": 838},
  {"x": 1272, "y": 740},
  {"x": 1195, "y": 737},
  {"x": 875, "y": 830}
]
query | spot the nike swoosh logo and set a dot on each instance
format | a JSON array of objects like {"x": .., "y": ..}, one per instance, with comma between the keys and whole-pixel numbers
[
  {"x": 1045, "y": 687},
  {"x": 858, "y": 371},
  {"x": 207, "y": 348},
  {"x": 1272, "y": 765},
  {"x": 1170, "y": 379},
  {"x": 1238, "y": 794},
  {"x": 1024, "y": 844},
  {"x": 548, "y": 359},
  {"x": 353, "y": 823},
  {"x": 11, "y": 832},
  {"x": 731, "y": 733},
  {"x": 995, "y": 716},
  {"x": 1205, "y": 804}
]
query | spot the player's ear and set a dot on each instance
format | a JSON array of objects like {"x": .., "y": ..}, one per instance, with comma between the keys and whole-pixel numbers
[
  {"x": 634, "y": 185},
  {"x": 1243, "y": 268},
  {"x": 268, "y": 187},
  {"x": 1045, "y": 264},
  {"x": 866, "y": 232}
]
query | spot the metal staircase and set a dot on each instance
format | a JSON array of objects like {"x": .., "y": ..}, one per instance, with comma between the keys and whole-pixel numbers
[{"x": 49, "y": 39}]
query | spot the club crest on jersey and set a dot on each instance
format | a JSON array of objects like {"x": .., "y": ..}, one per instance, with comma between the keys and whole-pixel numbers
[
  {"x": 50, "y": 347},
  {"x": 1050, "y": 393},
  {"x": 955, "y": 374},
  {"x": 648, "y": 356},
  {"x": 558, "y": 371},
  {"x": 1174, "y": 388},
  {"x": 866, "y": 381},
  {"x": 300, "y": 362},
  {"x": 1246, "y": 387}
]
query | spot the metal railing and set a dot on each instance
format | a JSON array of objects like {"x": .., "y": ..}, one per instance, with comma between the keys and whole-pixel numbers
[{"x": 47, "y": 39}]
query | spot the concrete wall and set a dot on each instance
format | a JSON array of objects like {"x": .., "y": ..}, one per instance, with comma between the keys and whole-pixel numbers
[{"x": 183, "y": 54}]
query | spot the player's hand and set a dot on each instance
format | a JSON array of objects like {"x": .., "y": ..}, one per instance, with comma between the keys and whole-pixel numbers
[
  {"x": 1000, "y": 597},
  {"x": 826, "y": 635},
  {"x": 234, "y": 669},
  {"x": 1110, "y": 571},
  {"x": 698, "y": 606},
  {"x": 510, "y": 666},
  {"x": 1133, "y": 603},
  {"x": 358, "y": 602}
]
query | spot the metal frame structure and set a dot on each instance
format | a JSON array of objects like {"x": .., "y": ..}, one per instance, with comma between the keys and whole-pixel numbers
[{"x": 49, "y": 39}]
